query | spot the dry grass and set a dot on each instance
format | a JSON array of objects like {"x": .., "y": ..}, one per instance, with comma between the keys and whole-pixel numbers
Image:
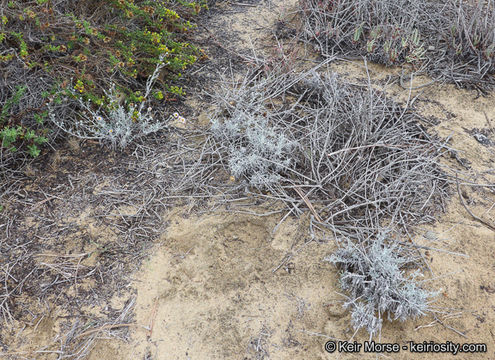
[{"x": 452, "y": 41}]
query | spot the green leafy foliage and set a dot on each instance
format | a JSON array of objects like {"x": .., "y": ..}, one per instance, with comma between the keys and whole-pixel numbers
[{"x": 14, "y": 137}]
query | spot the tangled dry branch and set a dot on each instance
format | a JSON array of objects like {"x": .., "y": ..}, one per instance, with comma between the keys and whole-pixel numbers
[
  {"x": 451, "y": 40},
  {"x": 356, "y": 156}
]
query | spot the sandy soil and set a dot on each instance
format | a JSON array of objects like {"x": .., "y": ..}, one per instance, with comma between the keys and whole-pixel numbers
[
  {"x": 210, "y": 290},
  {"x": 223, "y": 285}
]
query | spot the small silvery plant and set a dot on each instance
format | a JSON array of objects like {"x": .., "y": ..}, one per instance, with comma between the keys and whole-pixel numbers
[
  {"x": 258, "y": 150},
  {"x": 377, "y": 280},
  {"x": 117, "y": 125}
]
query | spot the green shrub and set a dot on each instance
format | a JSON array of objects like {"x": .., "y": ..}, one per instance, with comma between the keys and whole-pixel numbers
[{"x": 25, "y": 137}]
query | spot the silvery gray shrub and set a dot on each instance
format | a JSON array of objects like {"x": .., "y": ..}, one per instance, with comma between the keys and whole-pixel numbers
[
  {"x": 118, "y": 126},
  {"x": 377, "y": 281},
  {"x": 258, "y": 150}
]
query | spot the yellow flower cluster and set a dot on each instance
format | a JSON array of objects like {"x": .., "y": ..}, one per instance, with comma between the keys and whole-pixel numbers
[
  {"x": 79, "y": 86},
  {"x": 156, "y": 38},
  {"x": 164, "y": 50}
]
